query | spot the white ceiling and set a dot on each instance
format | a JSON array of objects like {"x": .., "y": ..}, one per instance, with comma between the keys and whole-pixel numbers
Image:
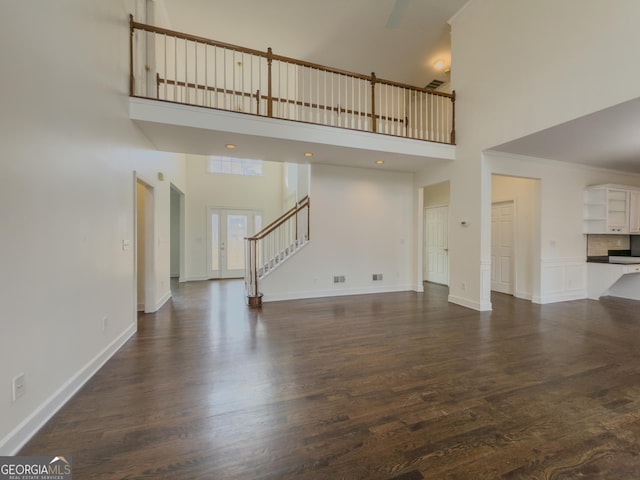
[
  {"x": 609, "y": 139},
  {"x": 350, "y": 35}
]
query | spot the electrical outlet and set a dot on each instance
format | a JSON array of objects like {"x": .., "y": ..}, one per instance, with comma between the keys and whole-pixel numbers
[
  {"x": 18, "y": 386},
  {"x": 105, "y": 323},
  {"x": 463, "y": 286},
  {"x": 339, "y": 279},
  {"x": 376, "y": 277}
]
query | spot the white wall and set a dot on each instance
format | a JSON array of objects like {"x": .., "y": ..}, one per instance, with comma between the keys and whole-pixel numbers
[
  {"x": 437, "y": 195},
  {"x": 69, "y": 152},
  {"x": 361, "y": 224},
  {"x": 519, "y": 67},
  {"x": 540, "y": 63},
  {"x": 264, "y": 193}
]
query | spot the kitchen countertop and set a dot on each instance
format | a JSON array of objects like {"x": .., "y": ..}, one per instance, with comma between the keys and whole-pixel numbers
[{"x": 614, "y": 259}]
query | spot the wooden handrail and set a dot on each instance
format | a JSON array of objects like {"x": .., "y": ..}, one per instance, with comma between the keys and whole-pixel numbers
[
  {"x": 270, "y": 55},
  {"x": 302, "y": 204},
  {"x": 194, "y": 38}
]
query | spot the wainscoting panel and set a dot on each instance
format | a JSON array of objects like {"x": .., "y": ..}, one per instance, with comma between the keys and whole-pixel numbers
[{"x": 562, "y": 279}]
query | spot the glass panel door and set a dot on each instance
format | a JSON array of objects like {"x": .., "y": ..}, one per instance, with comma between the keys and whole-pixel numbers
[
  {"x": 237, "y": 228},
  {"x": 227, "y": 230}
]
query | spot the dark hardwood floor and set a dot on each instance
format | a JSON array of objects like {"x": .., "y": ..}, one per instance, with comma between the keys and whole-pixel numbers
[{"x": 398, "y": 385}]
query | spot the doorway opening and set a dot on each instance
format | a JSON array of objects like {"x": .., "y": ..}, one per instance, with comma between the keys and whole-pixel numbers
[
  {"x": 515, "y": 235},
  {"x": 177, "y": 229},
  {"x": 144, "y": 246},
  {"x": 227, "y": 229},
  {"x": 435, "y": 264}
]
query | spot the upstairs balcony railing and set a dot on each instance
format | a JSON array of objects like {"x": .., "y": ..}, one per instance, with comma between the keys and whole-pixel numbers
[{"x": 181, "y": 68}]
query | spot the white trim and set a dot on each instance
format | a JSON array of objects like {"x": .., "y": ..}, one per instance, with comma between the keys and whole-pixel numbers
[
  {"x": 164, "y": 299},
  {"x": 19, "y": 436},
  {"x": 335, "y": 293},
  {"x": 418, "y": 288},
  {"x": 195, "y": 278},
  {"x": 465, "y": 302},
  {"x": 550, "y": 162},
  {"x": 460, "y": 10},
  {"x": 523, "y": 295}
]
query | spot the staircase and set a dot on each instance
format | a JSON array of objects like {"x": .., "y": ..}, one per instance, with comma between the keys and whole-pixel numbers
[{"x": 273, "y": 245}]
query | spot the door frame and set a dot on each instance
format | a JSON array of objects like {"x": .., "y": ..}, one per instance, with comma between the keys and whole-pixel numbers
[
  {"x": 149, "y": 273},
  {"x": 514, "y": 255},
  {"x": 425, "y": 238},
  {"x": 182, "y": 230},
  {"x": 252, "y": 212}
]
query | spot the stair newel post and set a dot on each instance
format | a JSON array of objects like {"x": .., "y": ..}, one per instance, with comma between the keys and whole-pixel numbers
[
  {"x": 373, "y": 102},
  {"x": 132, "y": 81},
  {"x": 269, "y": 83},
  {"x": 308, "y": 219},
  {"x": 453, "y": 118},
  {"x": 254, "y": 298}
]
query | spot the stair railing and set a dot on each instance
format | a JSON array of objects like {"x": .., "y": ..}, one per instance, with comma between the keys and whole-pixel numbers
[{"x": 274, "y": 244}]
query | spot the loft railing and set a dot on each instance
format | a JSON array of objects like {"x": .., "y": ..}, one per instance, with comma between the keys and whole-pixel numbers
[
  {"x": 275, "y": 243},
  {"x": 177, "y": 67}
]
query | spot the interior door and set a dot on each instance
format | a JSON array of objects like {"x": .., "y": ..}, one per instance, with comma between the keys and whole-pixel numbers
[
  {"x": 226, "y": 245},
  {"x": 436, "y": 248},
  {"x": 502, "y": 245}
]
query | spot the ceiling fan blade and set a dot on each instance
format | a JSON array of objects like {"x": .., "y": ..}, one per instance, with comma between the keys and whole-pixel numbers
[{"x": 397, "y": 14}]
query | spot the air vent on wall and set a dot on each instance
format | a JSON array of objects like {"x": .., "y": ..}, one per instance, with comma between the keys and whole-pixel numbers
[
  {"x": 434, "y": 84},
  {"x": 339, "y": 279},
  {"x": 376, "y": 277}
]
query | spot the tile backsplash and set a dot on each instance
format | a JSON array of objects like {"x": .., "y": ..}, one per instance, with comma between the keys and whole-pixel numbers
[{"x": 599, "y": 245}]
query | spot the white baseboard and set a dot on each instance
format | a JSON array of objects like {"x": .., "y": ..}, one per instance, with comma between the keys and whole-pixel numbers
[
  {"x": 523, "y": 295},
  {"x": 465, "y": 302},
  {"x": 194, "y": 278},
  {"x": 563, "y": 297},
  {"x": 276, "y": 297},
  {"x": 19, "y": 436},
  {"x": 164, "y": 299}
]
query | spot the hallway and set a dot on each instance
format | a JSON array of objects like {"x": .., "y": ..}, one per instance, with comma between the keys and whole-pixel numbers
[{"x": 396, "y": 385}]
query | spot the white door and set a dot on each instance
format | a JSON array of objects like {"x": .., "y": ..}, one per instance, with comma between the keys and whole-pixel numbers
[
  {"x": 436, "y": 245},
  {"x": 502, "y": 238},
  {"x": 227, "y": 229}
]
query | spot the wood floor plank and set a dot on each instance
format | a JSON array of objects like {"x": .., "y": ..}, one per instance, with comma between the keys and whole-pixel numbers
[{"x": 395, "y": 386}]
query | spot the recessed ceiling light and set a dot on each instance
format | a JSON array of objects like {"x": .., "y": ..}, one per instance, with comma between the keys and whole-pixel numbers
[
  {"x": 379, "y": 162},
  {"x": 308, "y": 154},
  {"x": 230, "y": 145}
]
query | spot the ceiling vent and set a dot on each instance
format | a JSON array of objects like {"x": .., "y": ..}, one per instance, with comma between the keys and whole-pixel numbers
[{"x": 434, "y": 84}]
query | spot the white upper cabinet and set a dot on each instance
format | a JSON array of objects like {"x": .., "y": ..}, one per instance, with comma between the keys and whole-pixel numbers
[
  {"x": 634, "y": 212},
  {"x": 612, "y": 209}
]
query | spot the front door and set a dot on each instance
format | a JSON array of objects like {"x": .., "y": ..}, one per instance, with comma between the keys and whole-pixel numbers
[{"x": 227, "y": 229}]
